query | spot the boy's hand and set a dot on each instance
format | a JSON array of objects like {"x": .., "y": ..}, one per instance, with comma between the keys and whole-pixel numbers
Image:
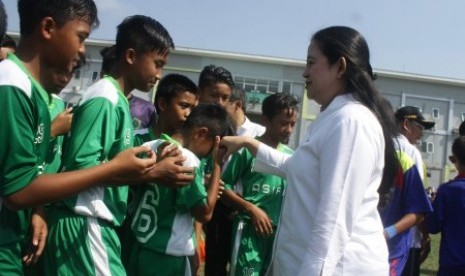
[
  {"x": 261, "y": 222},
  {"x": 229, "y": 145},
  {"x": 219, "y": 153},
  {"x": 39, "y": 235},
  {"x": 62, "y": 123},
  {"x": 168, "y": 172},
  {"x": 129, "y": 167}
]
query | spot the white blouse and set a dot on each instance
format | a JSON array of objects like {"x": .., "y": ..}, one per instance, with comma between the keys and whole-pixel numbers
[{"x": 330, "y": 223}]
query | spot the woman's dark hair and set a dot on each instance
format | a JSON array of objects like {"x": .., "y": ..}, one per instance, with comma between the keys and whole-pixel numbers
[
  {"x": 339, "y": 41},
  {"x": 143, "y": 34},
  {"x": 31, "y": 12}
]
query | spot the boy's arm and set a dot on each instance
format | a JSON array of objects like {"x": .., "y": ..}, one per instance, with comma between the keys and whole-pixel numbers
[
  {"x": 125, "y": 167},
  {"x": 407, "y": 221},
  {"x": 203, "y": 212},
  {"x": 261, "y": 222}
]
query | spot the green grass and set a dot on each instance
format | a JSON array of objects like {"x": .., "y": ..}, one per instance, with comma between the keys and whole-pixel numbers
[{"x": 430, "y": 265}]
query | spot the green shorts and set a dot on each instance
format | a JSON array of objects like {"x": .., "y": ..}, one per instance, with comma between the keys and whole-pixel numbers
[
  {"x": 251, "y": 254},
  {"x": 80, "y": 245},
  {"x": 144, "y": 262},
  {"x": 10, "y": 259}
]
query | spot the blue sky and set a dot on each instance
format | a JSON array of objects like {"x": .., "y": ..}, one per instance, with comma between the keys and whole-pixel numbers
[{"x": 415, "y": 36}]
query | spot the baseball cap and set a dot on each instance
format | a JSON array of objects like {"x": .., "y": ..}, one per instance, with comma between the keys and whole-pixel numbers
[{"x": 413, "y": 113}]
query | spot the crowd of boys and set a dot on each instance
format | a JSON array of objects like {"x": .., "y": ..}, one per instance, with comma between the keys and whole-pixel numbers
[{"x": 84, "y": 191}]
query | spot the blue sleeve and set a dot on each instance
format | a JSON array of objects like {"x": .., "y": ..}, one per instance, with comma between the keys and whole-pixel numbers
[
  {"x": 414, "y": 195},
  {"x": 434, "y": 220}
]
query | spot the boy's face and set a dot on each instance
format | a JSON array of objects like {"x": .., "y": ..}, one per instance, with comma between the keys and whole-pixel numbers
[
  {"x": 218, "y": 93},
  {"x": 147, "y": 69},
  {"x": 65, "y": 46},
  {"x": 198, "y": 141},
  {"x": 281, "y": 126},
  {"x": 175, "y": 111}
]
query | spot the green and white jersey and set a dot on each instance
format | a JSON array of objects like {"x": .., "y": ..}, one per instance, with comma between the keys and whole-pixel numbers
[
  {"x": 101, "y": 128},
  {"x": 162, "y": 220},
  {"x": 53, "y": 160},
  {"x": 24, "y": 138},
  {"x": 263, "y": 190}
]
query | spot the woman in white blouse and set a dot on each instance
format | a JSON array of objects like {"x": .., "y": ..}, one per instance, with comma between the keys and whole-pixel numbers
[{"x": 329, "y": 223}]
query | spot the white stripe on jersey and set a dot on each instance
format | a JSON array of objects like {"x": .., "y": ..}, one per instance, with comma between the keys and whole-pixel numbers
[
  {"x": 235, "y": 249},
  {"x": 101, "y": 89},
  {"x": 12, "y": 75},
  {"x": 97, "y": 248}
]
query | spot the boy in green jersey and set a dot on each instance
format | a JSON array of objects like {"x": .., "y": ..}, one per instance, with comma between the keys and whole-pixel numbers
[
  {"x": 162, "y": 221},
  {"x": 82, "y": 236},
  {"x": 257, "y": 196},
  {"x": 51, "y": 42}
]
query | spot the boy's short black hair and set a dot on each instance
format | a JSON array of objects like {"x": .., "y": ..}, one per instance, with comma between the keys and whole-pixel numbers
[
  {"x": 3, "y": 18},
  {"x": 213, "y": 74},
  {"x": 9, "y": 42},
  {"x": 143, "y": 34},
  {"x": 209, "y": 115},
  {"x": 31, "y": 12},
  {"x": 108, "y": 59},
  {"x": 458, "y": 149},
  {"x": 273, "y": 104},
  {"x": 171, "y": 85}
]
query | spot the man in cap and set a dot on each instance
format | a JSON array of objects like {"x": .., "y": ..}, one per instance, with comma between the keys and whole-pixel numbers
[{"x": 411, "y": 124}]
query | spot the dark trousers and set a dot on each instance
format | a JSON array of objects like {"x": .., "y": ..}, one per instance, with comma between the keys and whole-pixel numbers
[
  {"x": 412, "y": 267},
  {"x": 218, "y": 241}
]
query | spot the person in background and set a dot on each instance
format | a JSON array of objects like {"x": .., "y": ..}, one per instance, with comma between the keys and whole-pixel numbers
[
  {"x": 258, "y": 197},
  {"x": 8, "y": 46},
  {"x": 411, "y": 123},
  {"x": 330, "y": 224},
  {"x": 447, "y": 217},
  {"x": 236, "y": 107}
]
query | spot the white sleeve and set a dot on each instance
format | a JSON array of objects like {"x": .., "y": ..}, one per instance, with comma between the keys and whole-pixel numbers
[
  {"x": 270, "y": 161},
  {"x": 349, "y": 154}
]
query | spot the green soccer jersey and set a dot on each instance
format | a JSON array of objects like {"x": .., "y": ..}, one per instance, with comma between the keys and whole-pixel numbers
[
  {"x": 101, "y": 129},
  {"x": 53, "y": 160},
  {"x": 162, "y": 220},
  {"x": 263, "y": 190},
  {"x": 25, "y": 135}
]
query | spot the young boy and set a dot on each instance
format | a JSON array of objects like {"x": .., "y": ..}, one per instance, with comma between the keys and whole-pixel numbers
[
  {"x": 257, "y": 196},
  {"x": 51, "y": 43},
  {"x": 162, "y": 223},
  {"x": 448, "y": 218},
  {"x": 82, "y": 237}
]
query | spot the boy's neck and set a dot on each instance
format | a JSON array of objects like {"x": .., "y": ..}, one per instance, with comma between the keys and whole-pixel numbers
[
  {"x": 160, "y": 126},
  {"x": 29, "y": 55},
  {"x": 267, "y": 139},
  {"x": 122, "y": 81}
]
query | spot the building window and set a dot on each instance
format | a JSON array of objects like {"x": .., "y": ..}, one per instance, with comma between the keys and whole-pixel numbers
[
  {"x": 427, "y": 147},
  {"x": 94, "y": 76},
  {"x": 463, "y": 116},
  {"x": 435, "y": 113},
  {"x": 77, "y": 74}
]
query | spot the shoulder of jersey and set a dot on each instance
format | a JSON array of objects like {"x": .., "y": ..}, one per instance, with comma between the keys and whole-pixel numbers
[
  {"x": 101, "y": 89},
  {"x": 191, "y": 159},
  {"x": 12, "y": 75}
]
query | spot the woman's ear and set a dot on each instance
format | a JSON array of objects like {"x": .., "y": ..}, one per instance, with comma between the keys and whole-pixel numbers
[{"x": 342, "y": 67}]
